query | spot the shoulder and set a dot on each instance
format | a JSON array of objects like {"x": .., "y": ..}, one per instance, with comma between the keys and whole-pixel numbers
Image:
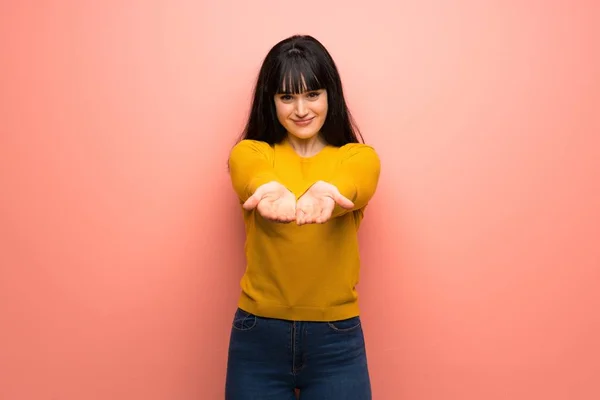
[
  {"x": 247, "y": 144},
  {"x": 352, "y": 150},
  {"x": 357, "y": 147},
  {"x": 251, "y": 147}
]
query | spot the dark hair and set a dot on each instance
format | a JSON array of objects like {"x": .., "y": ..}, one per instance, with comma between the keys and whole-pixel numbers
[{"x": 296, "y": 64}]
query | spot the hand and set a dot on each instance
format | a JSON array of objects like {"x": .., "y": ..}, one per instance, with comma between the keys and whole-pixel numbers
[
  {"x": 317, "y": 204},
  {"x": 274, "y": 202}
]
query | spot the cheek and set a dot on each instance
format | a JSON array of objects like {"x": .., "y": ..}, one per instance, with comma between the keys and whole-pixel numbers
[
  {"x": 282, "y": 110},
  {"x": 279, "y": 112},
  {"x": 323, "y": 108}
]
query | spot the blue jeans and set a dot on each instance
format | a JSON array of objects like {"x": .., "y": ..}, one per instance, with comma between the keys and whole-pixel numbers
[{"x": 269, "y": 358}]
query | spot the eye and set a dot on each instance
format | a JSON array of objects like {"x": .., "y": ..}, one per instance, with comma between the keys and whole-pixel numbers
[
  {"x": 313, "y": 95},
  {"x": 285, "y": 97}
]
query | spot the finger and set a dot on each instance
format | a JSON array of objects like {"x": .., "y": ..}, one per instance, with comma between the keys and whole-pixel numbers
[
  {"x": 291, "y": 214},
  {"x": 284, "y": 213},
  {"x": 286, "y": 218},
  {"x": 300, "y": 216},
  {"x": 304, "y": 217},
  {"x": 279, "y": 213},
  {"x": 325, "y": 213},
  {"x": 267, "y": 210},
  {"x": 316, "y": 212},
  {"x": 252, "y": 202},
  {"x": 311, "y": 215},
  {"x": 270, "y": 216},
  {"x": 342, "y": 201}
]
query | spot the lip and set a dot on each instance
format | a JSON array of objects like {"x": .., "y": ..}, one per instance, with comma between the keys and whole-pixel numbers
[{"x": 303, "y": 122}]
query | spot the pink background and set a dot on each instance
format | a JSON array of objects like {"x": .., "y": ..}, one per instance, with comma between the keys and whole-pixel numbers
[{"x": 120, "y": 237}]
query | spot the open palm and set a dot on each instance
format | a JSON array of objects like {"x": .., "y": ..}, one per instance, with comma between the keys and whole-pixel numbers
[
  {"x": 274, "y": 202},
  {"x": 317, "y": 204}
]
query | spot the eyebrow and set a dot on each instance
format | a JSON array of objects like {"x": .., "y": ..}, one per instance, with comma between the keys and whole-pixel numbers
[{"x": 293, "y": 94}]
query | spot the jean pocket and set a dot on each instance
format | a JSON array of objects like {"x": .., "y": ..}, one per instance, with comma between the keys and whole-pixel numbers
[
  {"x": 243, "y": 320},
  {"x": 345, "y": 325}
]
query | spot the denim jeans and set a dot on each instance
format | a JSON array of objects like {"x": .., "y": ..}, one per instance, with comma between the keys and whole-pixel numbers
[{"x": 269, "y": 358}]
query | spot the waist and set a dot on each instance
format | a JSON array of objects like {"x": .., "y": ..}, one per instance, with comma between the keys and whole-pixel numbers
[{"x": 264, "y": 308}]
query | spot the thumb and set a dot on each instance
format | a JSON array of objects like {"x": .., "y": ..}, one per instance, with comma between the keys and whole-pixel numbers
[
  {"x": 342, "y": 201},
  {"x": 252, "y": 201}
]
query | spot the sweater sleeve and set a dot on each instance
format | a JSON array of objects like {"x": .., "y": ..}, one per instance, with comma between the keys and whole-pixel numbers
[
  {"x": 356, "y": 176},
  {"x": 250, "y": 166}
]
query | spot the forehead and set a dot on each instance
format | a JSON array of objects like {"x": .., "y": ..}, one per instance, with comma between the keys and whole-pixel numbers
[
  {"x": 290, "y": 86},
  {"x": 295, "y": 82}
]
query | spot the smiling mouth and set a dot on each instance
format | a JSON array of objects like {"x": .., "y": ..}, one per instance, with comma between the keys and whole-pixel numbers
[{"x": 302, "y": 121}]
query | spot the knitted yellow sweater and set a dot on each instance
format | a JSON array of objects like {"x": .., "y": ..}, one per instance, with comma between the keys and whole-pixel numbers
[{"x": 308, "y": 272}]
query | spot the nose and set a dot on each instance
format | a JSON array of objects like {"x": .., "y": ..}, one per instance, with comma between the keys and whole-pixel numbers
[{"x": 301, "y": 109}]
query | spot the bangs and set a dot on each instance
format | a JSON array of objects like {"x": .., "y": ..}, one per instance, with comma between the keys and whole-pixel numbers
[{"x": 296, "y": 74}]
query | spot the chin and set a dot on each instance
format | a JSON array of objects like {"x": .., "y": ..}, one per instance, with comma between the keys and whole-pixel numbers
[
  {"x": 306, "y": 133},
  {"x": 303, "y": 135}
]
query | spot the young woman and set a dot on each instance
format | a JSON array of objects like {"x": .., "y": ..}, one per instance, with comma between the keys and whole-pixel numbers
[{"x": 303, "y": 180}]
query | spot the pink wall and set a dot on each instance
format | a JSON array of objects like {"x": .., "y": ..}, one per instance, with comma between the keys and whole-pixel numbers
[{"x": 121, "y": 243}]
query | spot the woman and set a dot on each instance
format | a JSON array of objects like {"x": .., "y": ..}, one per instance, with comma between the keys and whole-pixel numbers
[{"x": 303, "y": 180}]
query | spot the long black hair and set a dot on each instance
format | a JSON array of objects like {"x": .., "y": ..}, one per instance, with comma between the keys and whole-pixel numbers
[{"x": 294, "y": 65}]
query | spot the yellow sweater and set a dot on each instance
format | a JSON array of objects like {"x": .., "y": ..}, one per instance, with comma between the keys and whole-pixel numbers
[{"x": 308, "y": 272}]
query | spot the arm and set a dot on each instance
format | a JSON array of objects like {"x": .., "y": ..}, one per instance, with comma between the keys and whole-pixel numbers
[
  {"x": 250, "y": 166},
  {"x": 356, "y": 176}
]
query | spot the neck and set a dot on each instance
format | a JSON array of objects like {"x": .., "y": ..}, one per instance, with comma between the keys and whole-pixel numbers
[{"x": 307, "y": 147}]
